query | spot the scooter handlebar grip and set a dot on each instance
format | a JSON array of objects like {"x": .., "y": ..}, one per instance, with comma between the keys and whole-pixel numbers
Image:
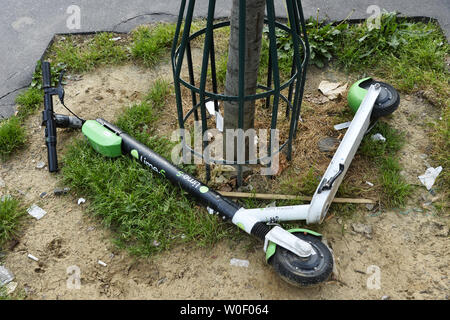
[
  {"x": 51, "y": 151},
  {"x": 46, "y": 76}
]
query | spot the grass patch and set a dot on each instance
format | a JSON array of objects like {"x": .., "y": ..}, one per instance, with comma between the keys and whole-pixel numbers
[
  {"x": 409, "y": 55},
  {"x": 85, "y": 56},
  {"x": 10, "y": 215},
  {"x": 146, "y": 212},
  {"x": 394, "y": 188},
  {"x": 29, "y": 101},
  {"x": 150, "y": 44},
  {"x": 12, "y": 131},
  {"x": 12, "y": 136}
]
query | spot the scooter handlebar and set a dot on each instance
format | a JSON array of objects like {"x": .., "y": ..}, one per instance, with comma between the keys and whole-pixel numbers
[
  {"x": 48, "y": 118},
  {"x": 46, "y": 74}
]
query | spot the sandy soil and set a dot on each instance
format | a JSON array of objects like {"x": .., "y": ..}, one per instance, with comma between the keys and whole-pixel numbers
[{"x": 410, "y": 247}]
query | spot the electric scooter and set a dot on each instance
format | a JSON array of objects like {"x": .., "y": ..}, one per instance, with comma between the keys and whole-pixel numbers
[{"x": 297, "y": 255}]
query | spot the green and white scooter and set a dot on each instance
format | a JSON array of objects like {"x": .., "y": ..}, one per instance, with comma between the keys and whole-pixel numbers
[{"x": 298, "y": 255}]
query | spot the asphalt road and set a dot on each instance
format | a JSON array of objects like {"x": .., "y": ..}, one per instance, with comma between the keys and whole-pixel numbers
[{"x": 27, "y": 26}]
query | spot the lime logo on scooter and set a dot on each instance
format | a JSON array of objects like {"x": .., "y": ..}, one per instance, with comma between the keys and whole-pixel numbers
[
  {"x": 134, "y": 153},
  {"x": 193, "y": 182}
]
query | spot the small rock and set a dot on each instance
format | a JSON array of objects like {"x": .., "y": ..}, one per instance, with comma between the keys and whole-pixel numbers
[
  {"x": 59, "y": 191},
  {"x": 43, "y": 195},
  {"x": 246, "y": 188},
  {"x": 363, "y": 229},
  {"x": 40, "y": 165},
  {"x": 328, "y": 144},
  {"x": 370, "y": 206}
]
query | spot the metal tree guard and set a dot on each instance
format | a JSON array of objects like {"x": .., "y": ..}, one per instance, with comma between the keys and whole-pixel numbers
[{"x": 181, "y": 48}]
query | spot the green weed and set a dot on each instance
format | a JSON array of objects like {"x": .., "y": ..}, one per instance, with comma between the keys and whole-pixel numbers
[{"x": 10, "y": 215}]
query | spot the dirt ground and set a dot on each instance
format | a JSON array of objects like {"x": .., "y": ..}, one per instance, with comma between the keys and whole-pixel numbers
[{"x": 410, "y": 247}]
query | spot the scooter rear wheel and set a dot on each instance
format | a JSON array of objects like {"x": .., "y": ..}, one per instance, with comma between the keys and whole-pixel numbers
[{"x": 304, "y": 272}]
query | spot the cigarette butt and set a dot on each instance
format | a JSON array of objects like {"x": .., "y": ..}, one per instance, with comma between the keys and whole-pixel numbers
[
  {"x": 32, "y": 257},
  {"x": 100, "y": 262}
]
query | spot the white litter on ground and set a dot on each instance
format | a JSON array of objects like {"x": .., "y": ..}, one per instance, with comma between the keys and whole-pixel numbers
[
  {"x": 429, "y": 177},
  {"x": 6, "y": 276},
  {"x": 341, "y": 126},
  {"x": 210, "y": 107},
  {"x": 32, "y": 257},
  {"x": 332, "y": 90},
  {"x": 239, "y": 263},
  {"x": 219, "y": 121},
  {"x": 378, "y": 137},
  {"x": 81, "y": 200},
  {"x": 36, "y": 212},
  {"x": 100, "y": 262}
]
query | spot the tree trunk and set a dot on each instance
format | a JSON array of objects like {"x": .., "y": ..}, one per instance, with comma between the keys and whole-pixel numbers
[{"x": 254, "y": 25}]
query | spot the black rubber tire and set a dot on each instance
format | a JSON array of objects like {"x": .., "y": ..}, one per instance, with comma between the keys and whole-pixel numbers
[
  {"x": 299, "y": 271},
  {"x": 389, "y": 105}
]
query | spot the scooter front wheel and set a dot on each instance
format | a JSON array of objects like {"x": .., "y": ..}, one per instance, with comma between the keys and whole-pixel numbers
[{"x": 304, "y": 272}]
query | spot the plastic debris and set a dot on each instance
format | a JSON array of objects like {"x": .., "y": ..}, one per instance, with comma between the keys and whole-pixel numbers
[
  {"x": 273, "y": 204},
  {"x": 378, "y": 137},
  {"x": 219, "y": 121},
  {"x": 6, "y": 276},
  {"x": 100, "y": 262},
  {"x": 239, "y": 263},
  {"x": 40, "y": 165},
  {"x": 156, "y": 243},
  {"x": 32, "y": 257},
  {"x": 341, "y": 126},
  {"x": 429, "y": 177},
  {"x": 210, "y": 107},
  {"x": 36, "y": 212},
  {"x": 369, "y": 183},
  {"x": 81, "y": 200},
  {"x": 332, "y": 90},
  {"x": 115, "y": 39}
]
